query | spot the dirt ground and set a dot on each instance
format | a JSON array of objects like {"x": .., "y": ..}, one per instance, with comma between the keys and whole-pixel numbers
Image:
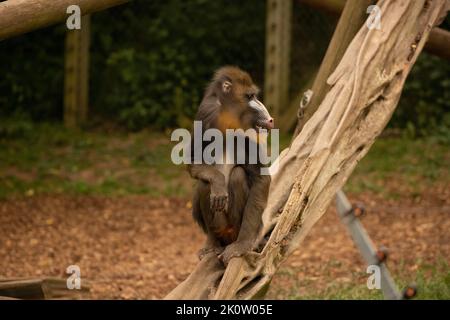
[{"x": 137, "y": 247}]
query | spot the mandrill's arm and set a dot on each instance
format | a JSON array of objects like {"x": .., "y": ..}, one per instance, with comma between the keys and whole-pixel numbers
[
  {"x": 216, "y": 180},
  {"x": 251, "y": 220}
]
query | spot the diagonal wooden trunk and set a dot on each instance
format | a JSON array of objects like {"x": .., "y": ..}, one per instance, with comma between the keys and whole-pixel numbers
[
  {"x": 21, "y": 16},
  {"x": 364, "y": 91}
]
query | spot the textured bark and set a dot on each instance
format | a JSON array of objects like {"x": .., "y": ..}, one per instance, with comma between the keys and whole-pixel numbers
[
  {"x": 21, "y": 16},
  {"x": 365, "y": 89}
]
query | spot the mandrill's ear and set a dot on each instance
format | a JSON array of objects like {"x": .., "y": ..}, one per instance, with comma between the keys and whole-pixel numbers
[{"x": 226, "y": 86}]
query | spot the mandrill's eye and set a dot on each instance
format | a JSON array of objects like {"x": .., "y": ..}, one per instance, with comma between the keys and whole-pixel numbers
[{"x": 250, "y": 96}]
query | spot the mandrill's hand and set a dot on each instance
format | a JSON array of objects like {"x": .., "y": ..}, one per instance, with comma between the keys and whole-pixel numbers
[
  {"x": 219, "y": 197},
  {"x": 236, "y": 249}
]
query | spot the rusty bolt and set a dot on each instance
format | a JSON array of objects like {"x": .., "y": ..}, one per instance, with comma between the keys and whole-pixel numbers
[
  {"x": 359, "y": 210},
  {"x": 410, "y": 291},
  {"x": 382, "y": 254}
]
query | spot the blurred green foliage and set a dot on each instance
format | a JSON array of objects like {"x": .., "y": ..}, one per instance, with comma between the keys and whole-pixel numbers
[
  {"x": 425, "y": 104},
  {"x": 424, "y": 108},
  {"x": 150, "y": 61},
  {"x": 160, "y": 55}
]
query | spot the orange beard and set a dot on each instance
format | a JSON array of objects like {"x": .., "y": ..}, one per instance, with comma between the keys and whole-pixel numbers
[{"x": 228, "y": 120}]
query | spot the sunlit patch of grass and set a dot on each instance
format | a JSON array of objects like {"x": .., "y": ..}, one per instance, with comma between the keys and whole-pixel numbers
[
  {"x": 48, "y": 158},
  {"x": 432, "y": 282},
  {"x": 397, "y": 165},
  {"x": 407, "y": 165}
]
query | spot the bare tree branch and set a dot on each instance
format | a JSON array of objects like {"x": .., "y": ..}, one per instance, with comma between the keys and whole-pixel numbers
[{"x": 22, "y": 16}]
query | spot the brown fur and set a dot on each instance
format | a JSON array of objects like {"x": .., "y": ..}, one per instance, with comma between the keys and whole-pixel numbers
[{"x": 230, "y": 214}]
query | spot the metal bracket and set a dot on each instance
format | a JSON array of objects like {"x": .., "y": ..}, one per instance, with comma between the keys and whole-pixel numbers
[{"x": 349, "y": 216}]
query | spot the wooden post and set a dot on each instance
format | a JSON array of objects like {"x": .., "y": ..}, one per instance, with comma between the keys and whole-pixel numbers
[
  {"x": 76, "y": 74},
  {"x": 351, "y": 20},
  {"x": 278, "y": 45}
]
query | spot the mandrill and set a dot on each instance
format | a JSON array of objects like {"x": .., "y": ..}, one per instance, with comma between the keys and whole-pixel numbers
[{"x": 230, "y": 196}]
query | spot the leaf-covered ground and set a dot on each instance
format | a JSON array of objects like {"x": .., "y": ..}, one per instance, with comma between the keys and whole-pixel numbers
[{"x": 140, "y": 247}]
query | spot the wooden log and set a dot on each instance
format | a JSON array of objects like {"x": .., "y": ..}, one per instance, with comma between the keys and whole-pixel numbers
[
  {"x": 40, "y": 288},
  {"x": 438, "y": 42},
  {"x": 351, "y": 20},
  {"x": 22, "y": 16},
  {"x": 334, "y": 7},
  {"x": 22, "y": 289}
]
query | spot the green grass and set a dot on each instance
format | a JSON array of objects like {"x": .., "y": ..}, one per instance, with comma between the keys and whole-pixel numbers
[
  {"x": 47, "y": 158},
  {"x": 432, "y": 282},
  {"x": 401, "y": 166},
  {"x": 51, "y": 159},
  {"x": 397, "y": 166}
]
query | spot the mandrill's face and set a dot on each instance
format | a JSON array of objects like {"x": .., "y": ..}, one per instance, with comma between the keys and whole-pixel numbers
[{"x": 241, "y": 108}]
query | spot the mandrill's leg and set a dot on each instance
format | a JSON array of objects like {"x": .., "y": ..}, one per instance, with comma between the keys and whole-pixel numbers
[
  {"x": 238, "y": 189},
  {"x": 210, "y": 220},
  {"x": 251, "y": 220},
  {"x": 227, "y": 226}
]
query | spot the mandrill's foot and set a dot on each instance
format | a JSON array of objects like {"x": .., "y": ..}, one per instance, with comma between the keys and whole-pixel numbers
[
  {"x": 236, "y": 249},
  {"x": 205, "y": 251}
]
